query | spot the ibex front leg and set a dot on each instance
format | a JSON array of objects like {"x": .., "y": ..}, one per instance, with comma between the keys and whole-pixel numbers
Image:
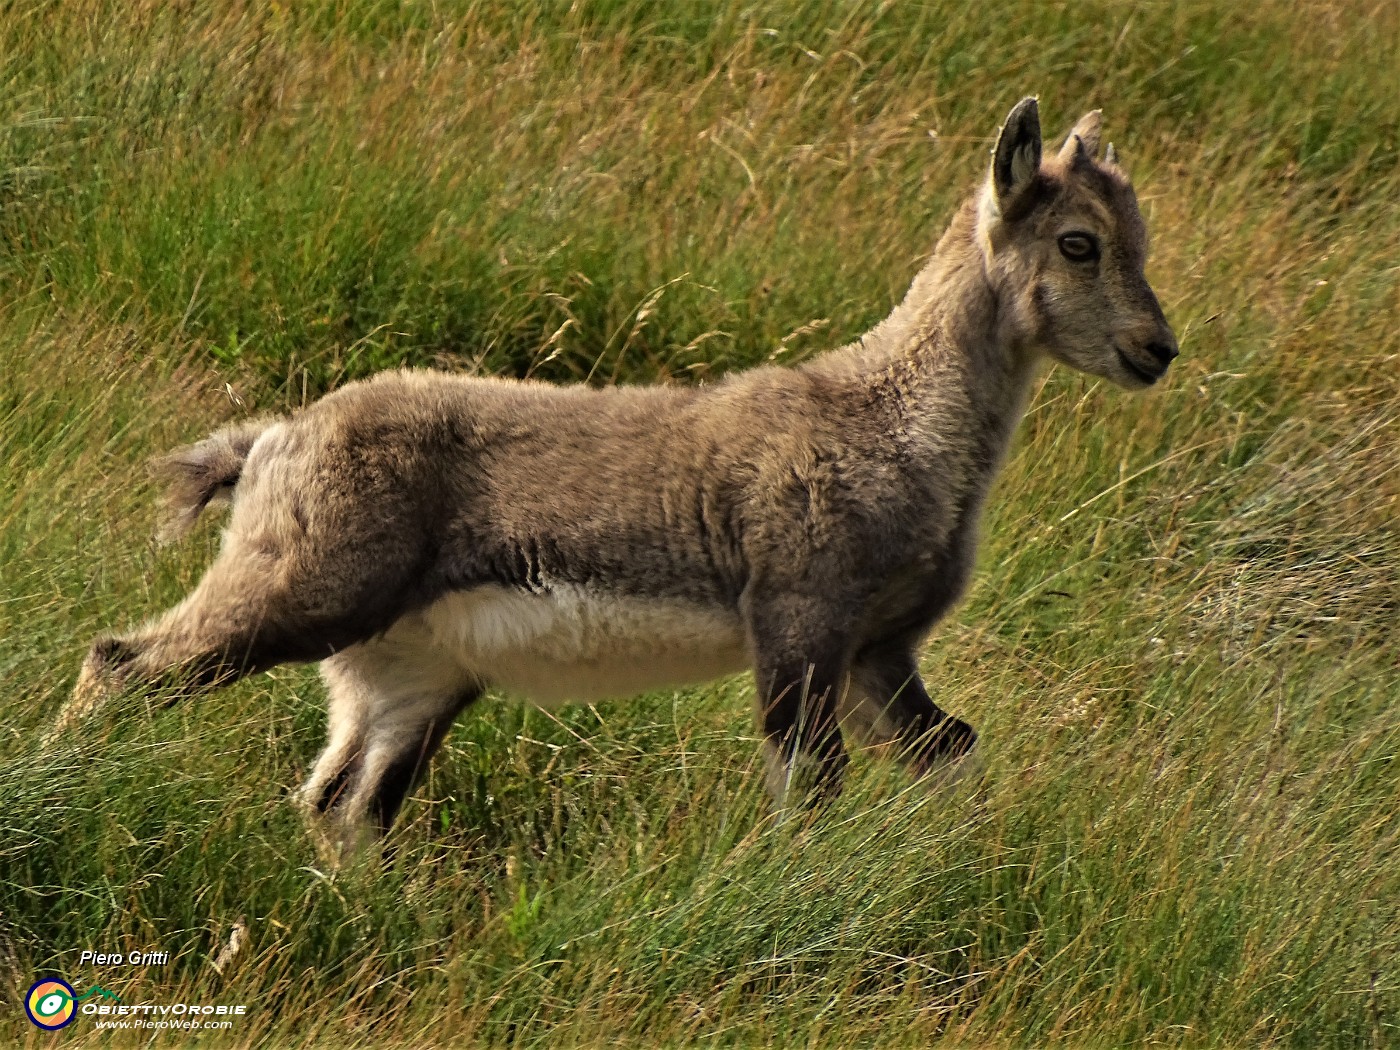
[
  {"x": 800, "y": 670},
  {"x": 893, "y": 706}
]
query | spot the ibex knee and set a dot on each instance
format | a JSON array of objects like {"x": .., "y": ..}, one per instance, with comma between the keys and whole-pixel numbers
[{"x": 106, "y": 667}]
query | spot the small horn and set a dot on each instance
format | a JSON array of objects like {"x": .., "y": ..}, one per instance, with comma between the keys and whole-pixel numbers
[
  {"x": 1110, "y": 155},
  {"x": 1087, "y": 132}
]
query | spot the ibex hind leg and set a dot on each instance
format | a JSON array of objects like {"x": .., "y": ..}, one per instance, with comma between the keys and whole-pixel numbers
[
  {"x": 218, "y": 634},
  {"x": 251, "y": 611},
  {"x": 392, "y": 701}
]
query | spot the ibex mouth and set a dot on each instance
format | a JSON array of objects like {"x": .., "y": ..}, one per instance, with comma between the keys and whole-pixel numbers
[{"x": 1136, "y": 369}]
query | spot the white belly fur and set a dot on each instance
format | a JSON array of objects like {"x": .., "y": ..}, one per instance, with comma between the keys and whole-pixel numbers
[{"x": 577, "y": 644}]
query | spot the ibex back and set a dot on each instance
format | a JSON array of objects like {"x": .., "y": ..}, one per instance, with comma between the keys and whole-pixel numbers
[{"x": 427, "y": 536}]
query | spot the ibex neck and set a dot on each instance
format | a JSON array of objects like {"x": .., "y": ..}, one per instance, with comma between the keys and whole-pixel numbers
[{"x": 947, "y": 362}]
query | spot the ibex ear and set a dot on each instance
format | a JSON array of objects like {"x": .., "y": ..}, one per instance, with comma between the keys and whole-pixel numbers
[
  {"x": 1084, "y": 139},
  {"x": 1016, "y": 156}
]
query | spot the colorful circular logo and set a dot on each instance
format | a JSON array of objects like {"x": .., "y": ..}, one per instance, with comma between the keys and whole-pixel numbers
[{"x": 51, "y": 1004}]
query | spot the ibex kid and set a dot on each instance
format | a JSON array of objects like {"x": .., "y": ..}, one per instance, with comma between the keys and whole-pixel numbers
[{"x": 427, "y": 536}]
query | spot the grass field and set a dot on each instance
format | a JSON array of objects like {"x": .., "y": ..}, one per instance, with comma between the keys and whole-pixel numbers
[{"x": 1180, "y": 648}]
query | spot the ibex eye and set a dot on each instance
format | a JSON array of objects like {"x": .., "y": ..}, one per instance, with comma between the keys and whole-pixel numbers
[{"x": 1079, "y": 247}]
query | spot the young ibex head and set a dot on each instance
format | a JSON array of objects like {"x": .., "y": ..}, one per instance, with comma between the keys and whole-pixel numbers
[{"x": 1064, "y": 246}]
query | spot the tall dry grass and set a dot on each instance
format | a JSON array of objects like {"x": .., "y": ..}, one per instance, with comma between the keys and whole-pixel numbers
[{"x": 1179, "y": 649}]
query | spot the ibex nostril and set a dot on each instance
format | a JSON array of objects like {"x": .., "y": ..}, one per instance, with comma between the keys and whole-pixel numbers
[{"x": 1164, "y": 352}]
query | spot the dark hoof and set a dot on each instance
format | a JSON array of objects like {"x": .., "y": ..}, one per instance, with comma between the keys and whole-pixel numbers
[
  {"x": 826, "y": 786},
  {"x": 951, "y": 740}
]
